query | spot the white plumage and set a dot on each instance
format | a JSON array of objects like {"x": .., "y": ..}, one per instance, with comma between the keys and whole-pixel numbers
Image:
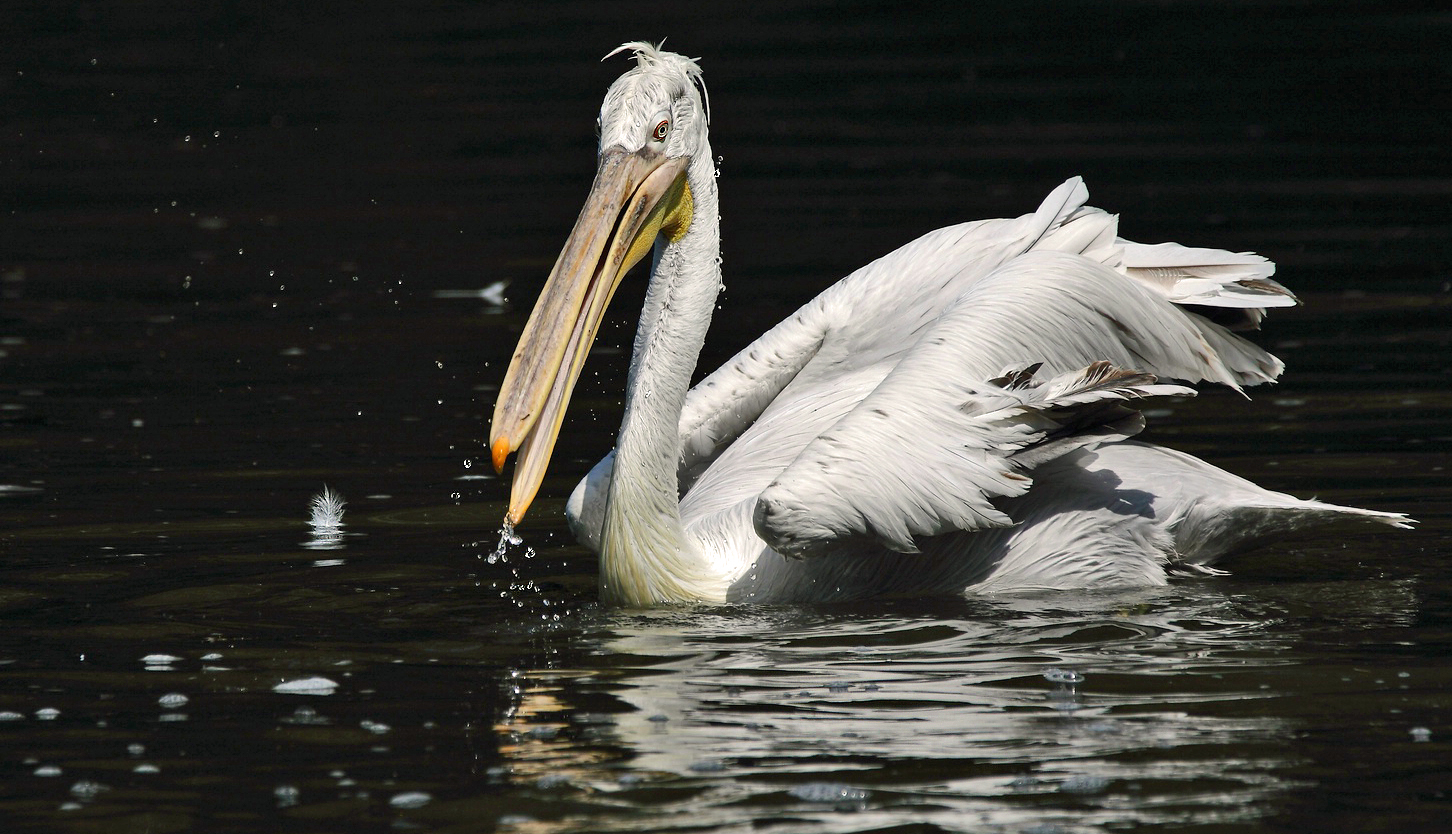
[{"x": 954, "y": 415}]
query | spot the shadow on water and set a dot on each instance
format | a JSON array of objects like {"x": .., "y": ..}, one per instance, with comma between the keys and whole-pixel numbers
[{"x": 260, "y": 250}]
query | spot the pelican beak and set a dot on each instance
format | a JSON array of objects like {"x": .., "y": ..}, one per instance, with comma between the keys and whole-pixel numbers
[{"x": 636, "y": 198}]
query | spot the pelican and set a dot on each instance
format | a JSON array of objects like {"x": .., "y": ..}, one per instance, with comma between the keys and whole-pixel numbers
[{"x": 953, "y": 417}]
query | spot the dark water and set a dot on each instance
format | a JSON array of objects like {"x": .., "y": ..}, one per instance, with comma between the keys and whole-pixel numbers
[{"x": 241, "y": 254}]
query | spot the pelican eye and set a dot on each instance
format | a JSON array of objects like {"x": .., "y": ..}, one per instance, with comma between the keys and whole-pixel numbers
[{"x": 661, "y": 130}]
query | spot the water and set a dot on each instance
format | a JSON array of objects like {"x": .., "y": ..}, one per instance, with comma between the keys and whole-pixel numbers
[{"x": 257, "y": 250}]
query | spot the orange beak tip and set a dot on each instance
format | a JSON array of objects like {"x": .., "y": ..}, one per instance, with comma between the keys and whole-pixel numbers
[{"x": 500, "y": 453}]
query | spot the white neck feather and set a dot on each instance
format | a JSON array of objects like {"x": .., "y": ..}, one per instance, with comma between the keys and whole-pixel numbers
[{"x": 646, "y": 556}]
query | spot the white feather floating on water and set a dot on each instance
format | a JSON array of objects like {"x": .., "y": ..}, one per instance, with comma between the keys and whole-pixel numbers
[{"x": 327, "y": 509}]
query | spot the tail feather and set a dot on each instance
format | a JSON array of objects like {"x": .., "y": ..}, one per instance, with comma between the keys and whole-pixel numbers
[
  {"x": 1210, "y": 531},
  {"x": 1212, "y": 513}
]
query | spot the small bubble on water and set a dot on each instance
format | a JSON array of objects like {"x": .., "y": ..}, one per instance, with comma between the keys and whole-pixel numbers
[
  {"x": 286, "y": 795},
  {"x": 88, "y": 789},
  {"x": 47, "y": 770},
  {"x": 828, "y": 792},
  {"x": 47, "y": 713},
  {"x": 1084, "y": 784},
  {"x": 1421, "y": 734},
  {"x": 1066, "y": 676},
  {"x": 172, "y": 700},
  {"x": 305, "y": 716},
  {"x": 410, "y": 799},
  {"x": 316, "y": 685}
]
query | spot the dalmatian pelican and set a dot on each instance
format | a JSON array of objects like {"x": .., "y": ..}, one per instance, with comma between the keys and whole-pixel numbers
[{"x": 954, "y": 416}]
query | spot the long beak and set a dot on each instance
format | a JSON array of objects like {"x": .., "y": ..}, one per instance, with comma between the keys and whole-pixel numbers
[{"x": 636, "y": 197}]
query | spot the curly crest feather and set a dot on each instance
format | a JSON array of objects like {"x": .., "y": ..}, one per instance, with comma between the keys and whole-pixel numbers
[{"x": 656, "y": 63}]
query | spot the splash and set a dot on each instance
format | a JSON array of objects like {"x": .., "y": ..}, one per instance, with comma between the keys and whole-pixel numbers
[
  {"x": 507, "y": 539},
  {"x": 514, "y": 587}
]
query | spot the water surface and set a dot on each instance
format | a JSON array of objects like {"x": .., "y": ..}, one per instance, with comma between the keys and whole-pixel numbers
[{"x": 244, "y": 255}]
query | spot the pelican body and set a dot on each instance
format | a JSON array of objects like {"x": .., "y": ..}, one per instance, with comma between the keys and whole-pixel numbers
[{"x": 954, "y": 416}]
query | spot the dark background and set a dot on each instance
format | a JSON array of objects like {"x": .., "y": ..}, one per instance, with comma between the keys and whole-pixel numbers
[
  {"x": 240, "y": 250},
  {"x": 445, "y": 143}
]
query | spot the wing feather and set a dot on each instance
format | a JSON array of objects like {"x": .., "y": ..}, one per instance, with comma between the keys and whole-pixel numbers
[
  {"x": 1238, "y": 282},
  {"x": 910, "y": 459},
  {"x": 969, "y": 443},
  {"x": 860, "y": 320}
]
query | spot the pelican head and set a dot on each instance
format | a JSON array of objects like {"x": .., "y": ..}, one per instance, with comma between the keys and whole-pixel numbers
[{"x": 652, "y": 131}]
